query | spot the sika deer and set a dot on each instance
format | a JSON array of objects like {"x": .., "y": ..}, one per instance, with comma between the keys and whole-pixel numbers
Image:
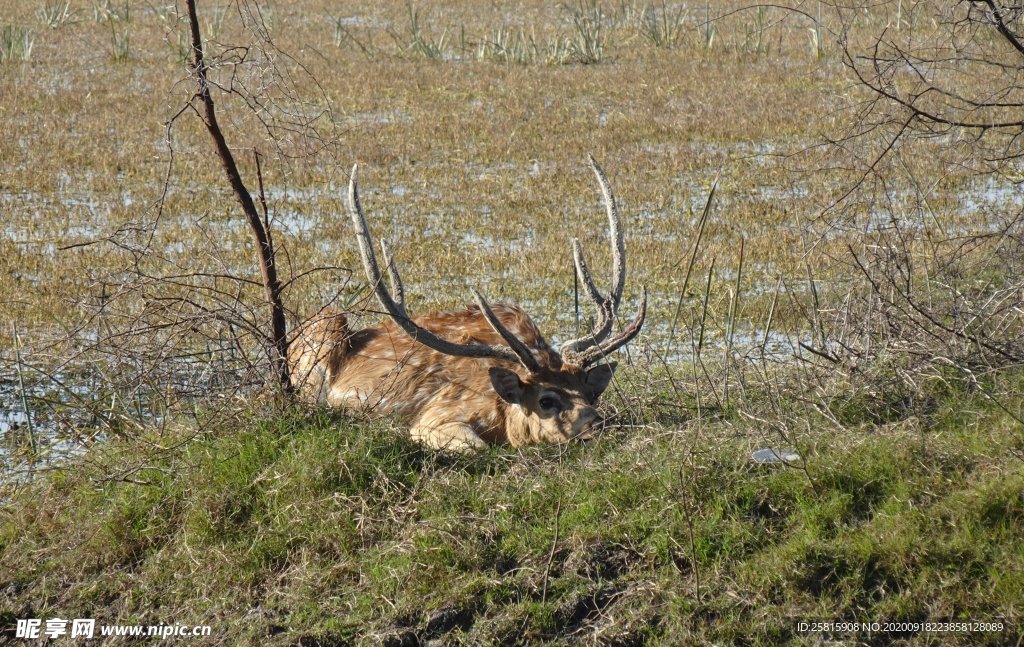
[{"x": 468, "y": 378}]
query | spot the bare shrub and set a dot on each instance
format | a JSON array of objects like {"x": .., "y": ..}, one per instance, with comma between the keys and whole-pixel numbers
[
  {"x": 182, "y": 321},
  {"x": 935, "y": 289}
]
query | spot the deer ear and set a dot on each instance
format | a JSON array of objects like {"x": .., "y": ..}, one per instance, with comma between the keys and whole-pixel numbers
[
  {"x": 598, "y": 379},
  {"x": 507, "y": 384}
]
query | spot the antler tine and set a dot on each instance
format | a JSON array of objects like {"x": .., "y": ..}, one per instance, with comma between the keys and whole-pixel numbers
[
  {"x": 396, "y": 307},
  {"x": 604, "y": 316},
  {"x": 521, "y": 350},
  {"x": 603, "y": 325},
  {"x": 355, "y": 210},
  {"x": 583, "y": 272},
  {"x": 615, "y": 233},
  {"x": 397, "y": 289},
  {"x": 596, "y": 353}
]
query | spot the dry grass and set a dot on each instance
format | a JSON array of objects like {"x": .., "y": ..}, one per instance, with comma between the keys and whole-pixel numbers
[
  {"x": 467, "y": 163},
  {"x": 455, "y": 153}
]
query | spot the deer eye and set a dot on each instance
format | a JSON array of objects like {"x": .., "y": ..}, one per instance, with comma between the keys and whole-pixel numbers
[{"x": 550, "y": 402}]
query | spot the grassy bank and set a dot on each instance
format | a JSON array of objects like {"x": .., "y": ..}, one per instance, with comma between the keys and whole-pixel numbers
[{"x": 315, "y": 528}]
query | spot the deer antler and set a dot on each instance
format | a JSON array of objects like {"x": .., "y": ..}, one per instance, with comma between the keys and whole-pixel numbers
[
  {"x": 600, "y": 351},
  {"x": 516, "y": 351},
  {"x": 590, "y": 348}
]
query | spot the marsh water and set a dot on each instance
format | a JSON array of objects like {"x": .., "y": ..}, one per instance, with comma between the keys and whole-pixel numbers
[{"x": 61, "y": 415}]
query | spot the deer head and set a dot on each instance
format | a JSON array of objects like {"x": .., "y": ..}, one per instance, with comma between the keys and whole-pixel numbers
[{"x": 552, "y": 395}]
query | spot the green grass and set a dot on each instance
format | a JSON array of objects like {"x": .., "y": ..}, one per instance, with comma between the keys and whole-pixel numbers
[
  {"x": 322, "y": 527},
  {"x": 15, "y": 44},
  {"x": 57, "y": 13}
]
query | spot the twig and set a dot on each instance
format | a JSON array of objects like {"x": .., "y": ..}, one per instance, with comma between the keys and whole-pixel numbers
[
  {"x": 771, "y": 316},
  {"x": 551, "y": 553},
  {"x": 733, "y": 307},
  {"x": 24, "y": 393},
  {"x": 693, "y": 258}
]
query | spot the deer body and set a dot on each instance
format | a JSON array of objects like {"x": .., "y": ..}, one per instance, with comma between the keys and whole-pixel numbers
[
  {"x": 464, "y": 379},
  {"x": 449, "y": 402}
]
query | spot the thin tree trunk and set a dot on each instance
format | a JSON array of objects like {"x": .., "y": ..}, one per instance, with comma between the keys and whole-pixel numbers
[{"x": 264, "y": 246}]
